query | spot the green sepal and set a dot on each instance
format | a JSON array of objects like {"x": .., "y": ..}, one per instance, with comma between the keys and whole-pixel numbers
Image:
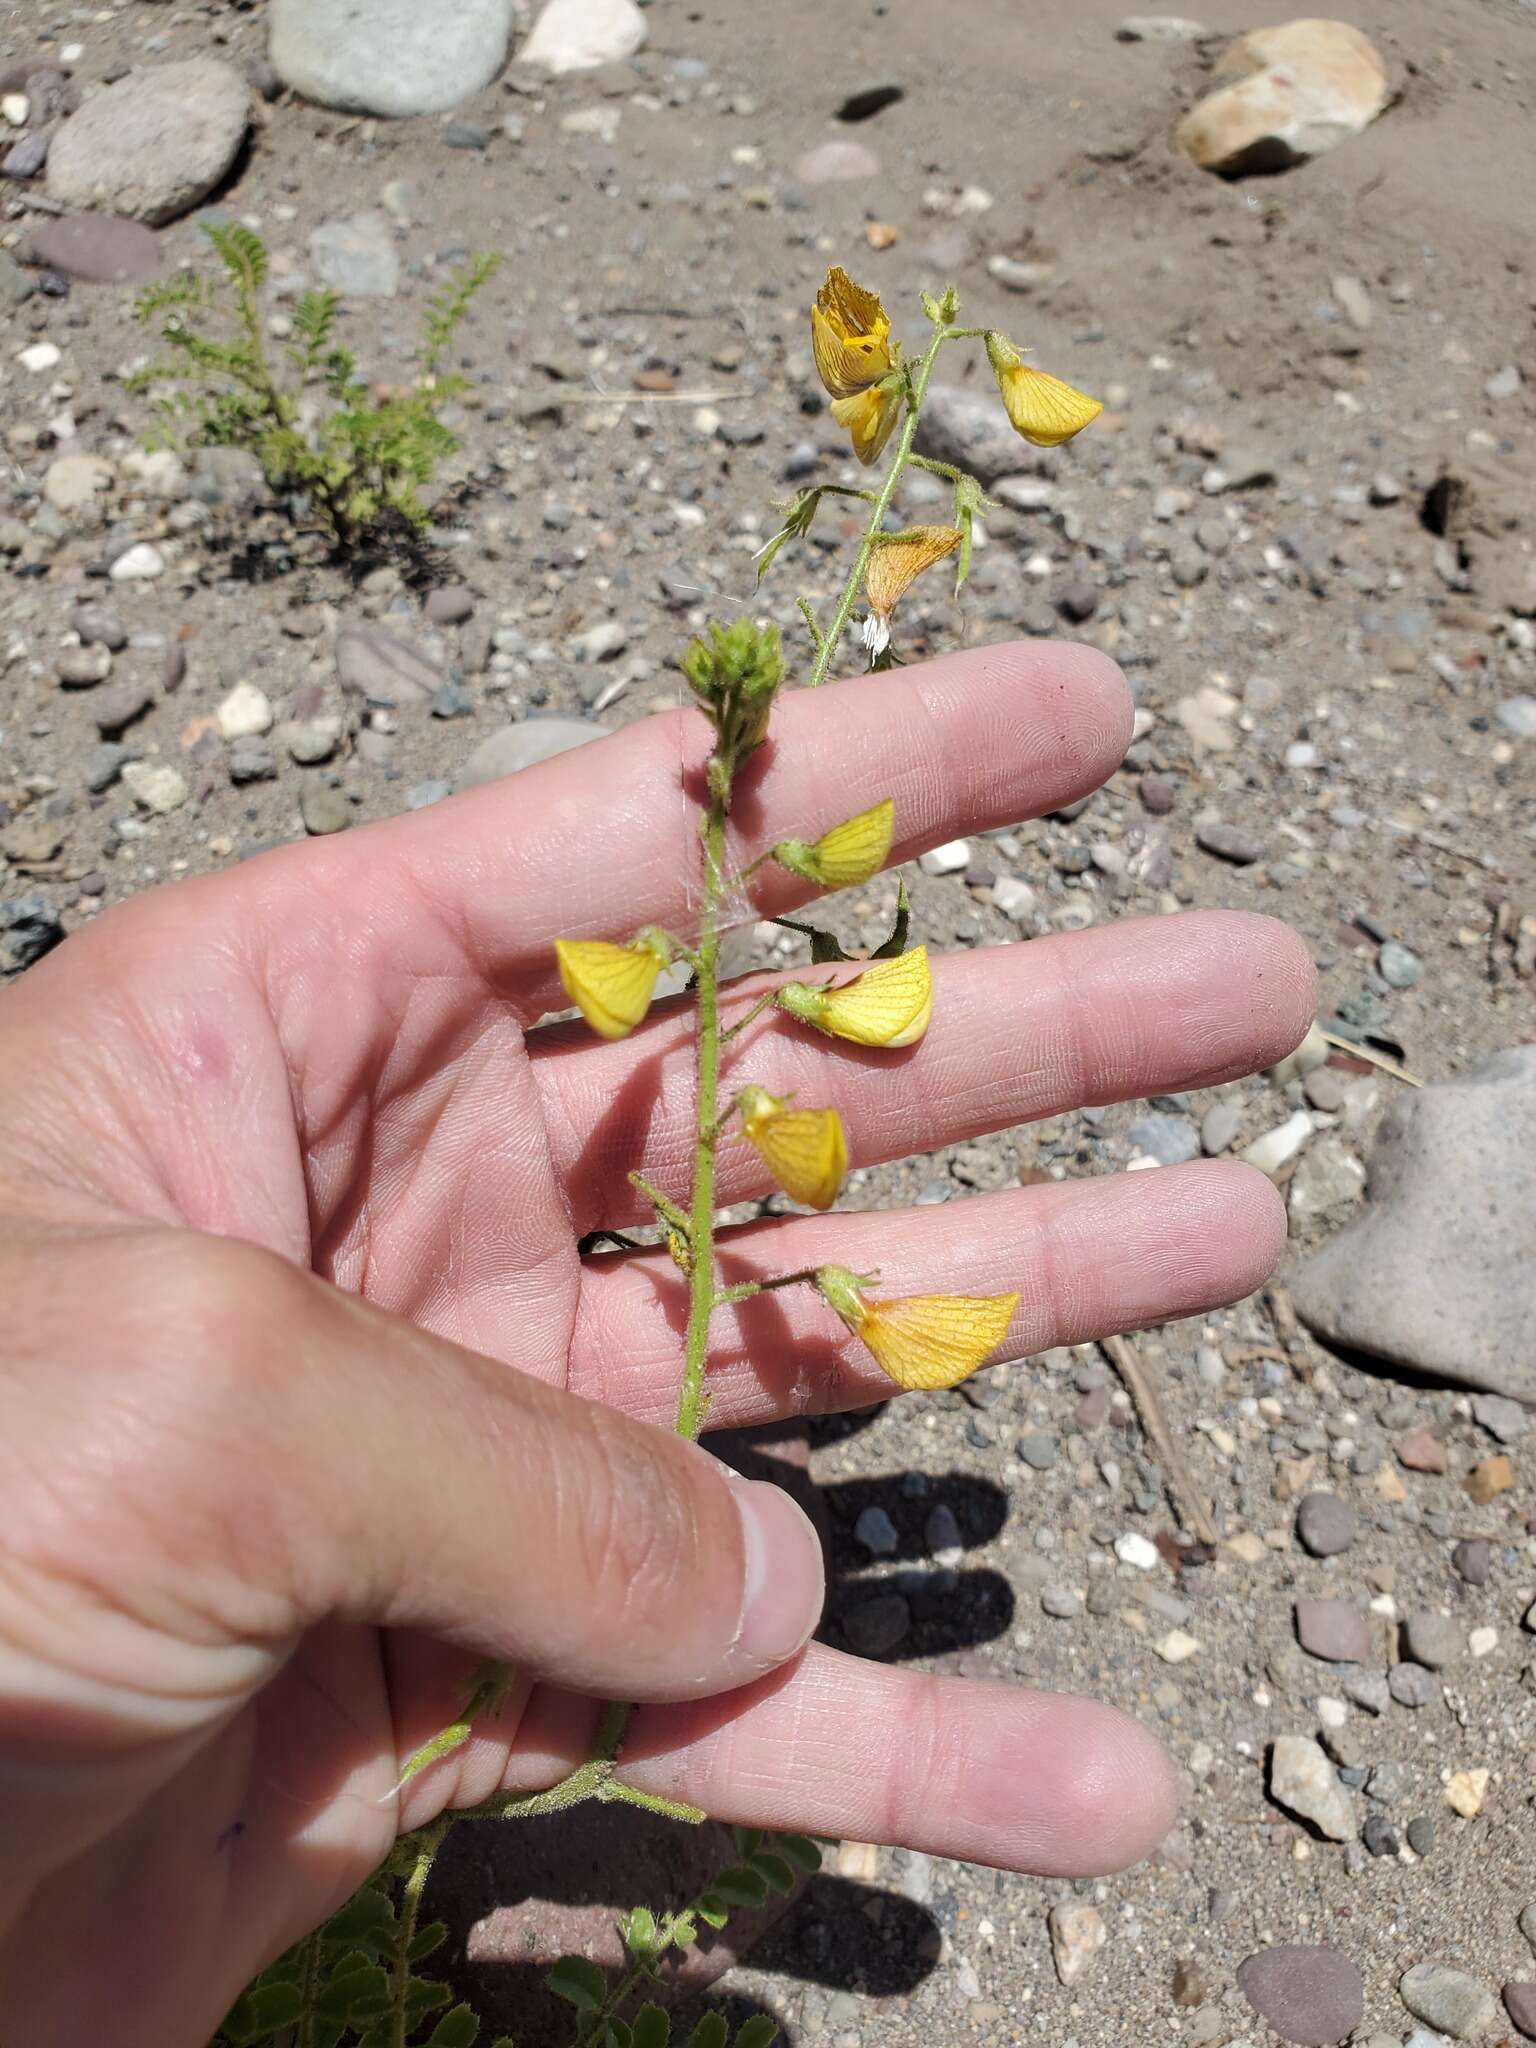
[{"x": 897, "y": 943}]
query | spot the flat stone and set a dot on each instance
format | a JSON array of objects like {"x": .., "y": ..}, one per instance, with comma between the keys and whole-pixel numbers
[
  {"x": 1439, "y": 1271},
  {"x": 1325, "y": 1524},
  {"x": 1304, "y": 1782},
  {"x": 1520, "y": 2004},
  {"x": 141, "y": 563},
  {"x": 875, "y": 1627},
  {"x": 245, "y": 713},
  {"x": 1448, "y": 1999},
  {"x": 1333, "y": 1630},
  {"x": 1277, "y": 1148},
  {"x": 357, "y": 256},
  {"x": 582, "y": 35},
  {"x": 1326, "y": 1186},
  {"x": 1473, "y": 1559},
  {"x": 876, "y": 1531},
  {"x": 449, "y": 605},
  {"x": 96, "y": 248},
  {"x": 99, "y": 625},
  {"x": 1411, "y": 1685},
  {"x": 384, "y": 670},
  {"x": 1488, "y": 1479},
  {"x": 81, "y": 668},
  {"x": 1505, "y": 1420},
  {"x": 153, "y": 145},
  {"x": 1160, "y": 28},
  {"x": 388, "y": 57},
  {"x": 1422, "y": 1451},
  {"x": 836, "y": 162},
  {"x": 1517, "y": 715},
  {"x": 75, "y": 484},
  {"x": 1077, "y": 1934},
  {"x": 1310, "y": 1995},
  {"x": 1170, "y": 1140},
  {"x": 1433, "y": 1640},
  {"x": 118, "y": 706},
  {"x": 1302, "y": 88},
  {"x": 525, "y": 745},
  {"x": 1219, "y": 1128},
  {"x": 155, "y": 786},
  {"x": 1230, "y": 843},
  {"x": 324, "y": 809}
]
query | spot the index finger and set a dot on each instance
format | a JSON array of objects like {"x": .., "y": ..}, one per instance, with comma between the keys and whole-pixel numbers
[{"x": 605, "y": 843}]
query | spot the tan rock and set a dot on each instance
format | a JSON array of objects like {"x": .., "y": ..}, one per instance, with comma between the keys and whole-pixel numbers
[{"x": 1302, "y": 87}]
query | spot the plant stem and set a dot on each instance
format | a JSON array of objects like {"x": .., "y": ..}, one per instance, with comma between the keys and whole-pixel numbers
[
  {"x": 692, "y": 1401},
  {"x": 827, "y": 648},
  {"x": 410, "y": 1912}
]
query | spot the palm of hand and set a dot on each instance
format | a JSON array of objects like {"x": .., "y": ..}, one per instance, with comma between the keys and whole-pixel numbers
[{"x": 324, "y": 1055}]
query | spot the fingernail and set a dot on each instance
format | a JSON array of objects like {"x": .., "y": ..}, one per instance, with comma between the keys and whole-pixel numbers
[{"x": 785, "y": 1579}]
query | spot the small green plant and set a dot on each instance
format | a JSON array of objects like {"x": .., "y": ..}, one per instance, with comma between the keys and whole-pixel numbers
[{"x": 361, "y": 458}]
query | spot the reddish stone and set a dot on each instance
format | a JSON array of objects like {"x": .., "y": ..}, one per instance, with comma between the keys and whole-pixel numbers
[
  {"x": 1422, "y": 1452},
  {"x": 96, "y": 247}
]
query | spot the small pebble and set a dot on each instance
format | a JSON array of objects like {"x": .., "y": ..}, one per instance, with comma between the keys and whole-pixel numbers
[
  {"x": 876, "y": 1531},
  {"x": 1325, "y": 1524},
  {"x": 1412, "y": 1686}
]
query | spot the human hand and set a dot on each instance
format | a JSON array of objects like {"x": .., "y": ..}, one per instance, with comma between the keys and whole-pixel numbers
[{"x": 310, "y": 1402}]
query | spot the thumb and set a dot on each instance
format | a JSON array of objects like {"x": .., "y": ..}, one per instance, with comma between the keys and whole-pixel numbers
[{"x": 290, "y": 1453}]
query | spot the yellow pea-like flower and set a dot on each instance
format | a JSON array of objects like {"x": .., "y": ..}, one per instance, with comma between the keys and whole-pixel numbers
[
  {"x": 890, "y": 1003},
  {"x": 894, "y": 567},
  {"x": 869, "y": 417},
  {"x": 847, "y": 855},
  {"x": 921, "y": 1341},
  {"x": 1040, "y": 407},
  {"x": 610, "y": 985},
  {"x": 850, "y": 336},
  {"x": 804, "y": 1149}
]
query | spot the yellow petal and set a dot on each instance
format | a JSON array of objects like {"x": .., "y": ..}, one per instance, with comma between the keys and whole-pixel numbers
[
  {"x": 1042, "y": 408},
  {"x": 804, "y": 1149},
  {"x": 850, "y": 336},
  {"x": 897, "y": 563},
  {"x": 935, "y": 1340},
  {"x": 848, "y": 854},
  {"x": 889, "y": 1004},
  {"x": 610, "y": 985},
  {"x": 869, "y": 418}
]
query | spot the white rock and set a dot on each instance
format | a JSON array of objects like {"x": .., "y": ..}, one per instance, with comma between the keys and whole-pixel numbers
[
  {"x": 1331, "y": 1712},
  {"x": 1160, "y": 28},
  {"x": 1303, "y": 87},
  {"x": 138, "y": 564},
  {"x": 579, "y": 35},
  {"x": 244, "y": 713},
  {"x": 1177, "y": 1647},
  {"x": 1014, "y": 898},
  {"x": 600, "y": 121},
  {"x": 1134, "y": 1548},
  {"x": 16, "y": 109},
  {"x": 74, "y": 483},
  {"x": 1483, "y": 1642},
  {"x": 391, "y": 57},
  {"x": 1304, "y": 1782},
  {"x": 1077, "y": 1934},
  {"x": 1312, "y": 1053},
  {"x": 953, "y": 858},
  {"x": 42, "y": 355},
  {"x": 1278, "y": 1147},
  {"x": 155, "y": 786},
  {"x": 155, "y": 143}
]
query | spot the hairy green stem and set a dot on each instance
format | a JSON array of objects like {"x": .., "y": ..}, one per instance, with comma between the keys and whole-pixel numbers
[
  {"x": 692, "y": 1400},
  {"x": 410, "y": 1912},
  {"x": 827, "y": 646}
]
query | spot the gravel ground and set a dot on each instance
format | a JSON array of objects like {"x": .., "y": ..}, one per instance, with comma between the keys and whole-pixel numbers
[{"x": 1304, "y": 528}]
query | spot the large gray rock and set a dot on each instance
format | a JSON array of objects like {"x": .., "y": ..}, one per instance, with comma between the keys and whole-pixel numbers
[
  {"x": 357, "y": 256},
  {"x": 970, "y": 429},
  {"x": 155, "y": 143},
  {"x": 392, "y": 57},
  {"x": 1439, "y": 1272}
]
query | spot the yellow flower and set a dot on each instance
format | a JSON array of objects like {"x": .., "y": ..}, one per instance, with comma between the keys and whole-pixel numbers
[
  {"x": 869, "y": 417},
  {"x": 894, "y": 566},
  {"x": 1041, "y": 408},
  {"x": 921, "y": 1340},
  {"x": 804, "y": 1149},
  {"x": 611, "y": 985},
  {"x": 847, "y": 855},
  {"x": 850, "y": 336},
  {"x": 888, "y": 1004}
]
